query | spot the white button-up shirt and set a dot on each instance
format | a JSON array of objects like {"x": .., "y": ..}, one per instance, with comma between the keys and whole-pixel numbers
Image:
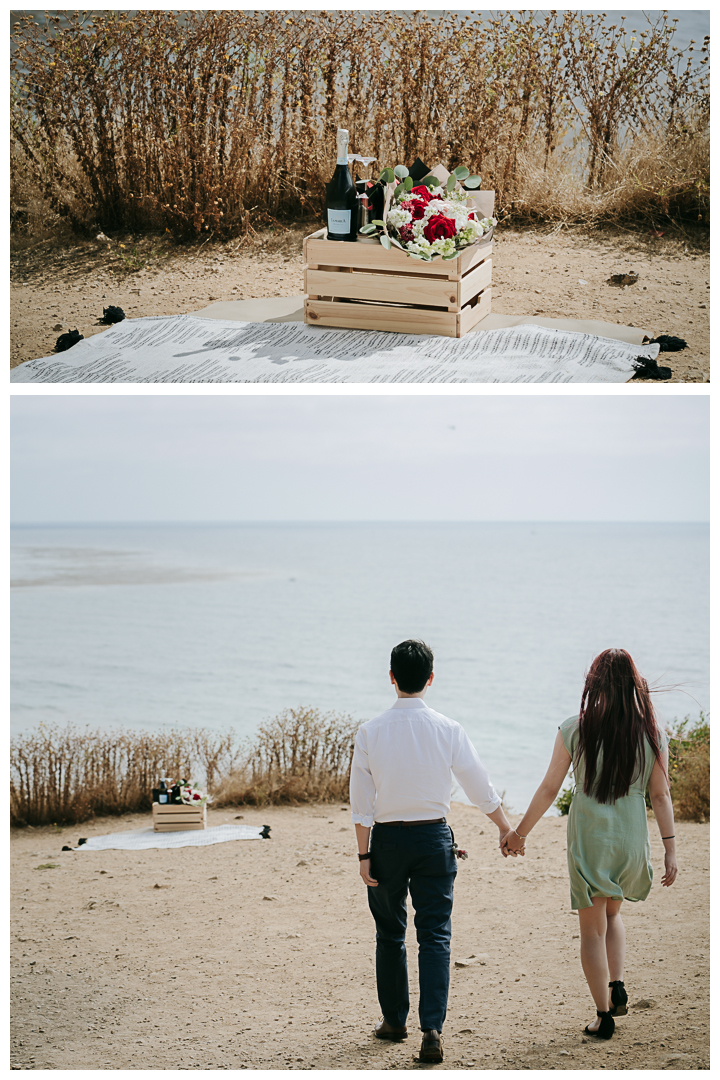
[{"x": 404, "y": 762}]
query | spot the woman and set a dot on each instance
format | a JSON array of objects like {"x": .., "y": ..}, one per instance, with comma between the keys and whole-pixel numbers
[{"x": 617, "y": 752}]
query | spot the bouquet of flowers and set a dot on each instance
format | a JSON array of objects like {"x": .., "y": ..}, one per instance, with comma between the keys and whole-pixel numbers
[
  {"x": 193, "y": 797},
  {"x": 427, "y": 222}
]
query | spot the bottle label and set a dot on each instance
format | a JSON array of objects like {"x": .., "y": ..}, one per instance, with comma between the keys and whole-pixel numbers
[
  {"x": 163, "y": 797},
  {"x": 339, "y": 222}
]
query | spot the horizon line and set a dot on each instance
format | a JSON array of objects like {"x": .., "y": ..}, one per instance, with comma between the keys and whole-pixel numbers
[{"x": 364, "y": 521}]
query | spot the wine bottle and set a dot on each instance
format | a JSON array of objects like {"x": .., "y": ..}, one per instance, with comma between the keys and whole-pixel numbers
[
  {"x": 341, "y": 209},
  {"x": 163, "y": 793}
]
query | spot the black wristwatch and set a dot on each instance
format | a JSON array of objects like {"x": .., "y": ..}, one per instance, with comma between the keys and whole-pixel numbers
[{"x": 361, "y": 857}]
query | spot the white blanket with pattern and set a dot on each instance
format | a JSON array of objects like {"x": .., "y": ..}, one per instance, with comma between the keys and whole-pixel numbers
[{"x": 191, "y": 349}]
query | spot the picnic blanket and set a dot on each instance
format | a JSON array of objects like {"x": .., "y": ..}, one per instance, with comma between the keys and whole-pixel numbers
[
  {"x": 142, "y": 839},
  {"x": 193, "y": 349}
]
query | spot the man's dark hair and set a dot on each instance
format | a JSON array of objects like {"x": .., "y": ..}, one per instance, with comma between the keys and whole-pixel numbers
[{"x": 411, "y": 662}]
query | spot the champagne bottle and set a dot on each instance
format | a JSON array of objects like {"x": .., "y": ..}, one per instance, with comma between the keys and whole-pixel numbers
[
  {"x": 163, "y": 793},
  {"x": 341, "y": 209}
]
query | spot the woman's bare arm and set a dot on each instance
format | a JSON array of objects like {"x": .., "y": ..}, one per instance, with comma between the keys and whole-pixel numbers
[
  {"x": 542, "y": 800},
  {"x": 663, "y": 809}
]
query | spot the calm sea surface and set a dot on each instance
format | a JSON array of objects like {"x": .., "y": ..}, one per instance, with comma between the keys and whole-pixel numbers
[{"x": 223, "y": 626}]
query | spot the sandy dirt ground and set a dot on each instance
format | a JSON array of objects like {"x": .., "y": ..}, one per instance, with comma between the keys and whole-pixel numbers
[
  {"x": 259, "y": 955},
  {"x": 558, "y": 275}
]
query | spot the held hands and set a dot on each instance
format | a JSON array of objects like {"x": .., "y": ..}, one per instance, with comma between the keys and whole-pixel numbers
[
  {"x": 671, "y": 869},
  {"x": 511, "y": 844}
]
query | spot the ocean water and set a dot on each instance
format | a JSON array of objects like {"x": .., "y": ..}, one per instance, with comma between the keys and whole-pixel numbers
[{"x": 226, "y": 625}]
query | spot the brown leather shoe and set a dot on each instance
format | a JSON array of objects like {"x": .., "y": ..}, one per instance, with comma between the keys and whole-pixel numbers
[
  {"x": 384, "y": 1031},
  {"x": 431, "y": 1051}
]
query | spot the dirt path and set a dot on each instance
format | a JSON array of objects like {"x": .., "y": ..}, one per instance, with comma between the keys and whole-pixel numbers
[
  {"x": 259, "y": 955},
  {"x": 563, "y": 275}
]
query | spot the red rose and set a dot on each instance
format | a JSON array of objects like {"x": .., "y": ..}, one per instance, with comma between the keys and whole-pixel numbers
[
  {"x": 439, "y": 227},
  {"x": 423, "y": 193},
  {"x": 416, "y": 207}
]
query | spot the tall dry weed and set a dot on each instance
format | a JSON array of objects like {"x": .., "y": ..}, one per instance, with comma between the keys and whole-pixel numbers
[
  {"x": 205, "y": 122},
  {"x": 67, "y": 775},
  {"x": 689, "y": 762},
  {"x": 302, "y": 755}
]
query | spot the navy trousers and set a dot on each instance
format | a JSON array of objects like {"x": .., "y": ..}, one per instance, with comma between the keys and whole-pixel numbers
[{"x": 419, "y": 859}]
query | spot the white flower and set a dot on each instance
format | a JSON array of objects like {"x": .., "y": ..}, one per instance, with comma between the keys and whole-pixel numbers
[
  {"x": 398, "y": 217},
  {"x": 419, "y": 246},
  {"x": 443, "y": 246}
]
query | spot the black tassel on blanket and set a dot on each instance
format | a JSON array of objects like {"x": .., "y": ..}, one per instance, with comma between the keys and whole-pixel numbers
[
  {"x": 648, "y": 369},
  {"x": 668, "y": 343}
]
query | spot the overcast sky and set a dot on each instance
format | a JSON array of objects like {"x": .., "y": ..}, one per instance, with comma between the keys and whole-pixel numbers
[{"x": 356, "y": 458}]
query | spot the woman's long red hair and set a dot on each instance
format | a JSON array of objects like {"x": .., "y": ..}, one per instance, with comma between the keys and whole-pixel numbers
[{"x": 616, "y": 717}]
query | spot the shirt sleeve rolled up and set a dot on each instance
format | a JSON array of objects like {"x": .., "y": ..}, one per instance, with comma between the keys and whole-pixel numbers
[
  {"x": 362, "y": 785},
  {"x": 472, "y": 775}
]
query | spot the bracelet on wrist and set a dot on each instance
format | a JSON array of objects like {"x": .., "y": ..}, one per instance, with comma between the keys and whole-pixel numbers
[
  {"x": 520, "y": 835},
  {"x": 365, "y": 856},
  {"x": 668, "y": 837}
]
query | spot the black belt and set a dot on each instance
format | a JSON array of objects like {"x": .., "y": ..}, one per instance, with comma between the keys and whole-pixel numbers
[{"x": 405, "y": 824}]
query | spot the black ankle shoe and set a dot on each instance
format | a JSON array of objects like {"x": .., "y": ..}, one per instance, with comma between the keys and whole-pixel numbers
[
  {"x": 619, "y": 998},
  {"x": 431, "y": 1050},
  {"x": 606, "y": 1029}
]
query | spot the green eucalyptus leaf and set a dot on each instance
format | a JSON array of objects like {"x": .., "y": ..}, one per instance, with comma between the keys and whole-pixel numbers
[
  {"x": 452, "y": 182},
  {"x": 400, "y": 172},
  {"x": 408, "y": 183},
  {"x": 380, "y": 224},
  {"x": 368, "y": 230},
  {"x": 447, "y": 258},
  {"x": 414, "y": 255},
  {"x": 387, "y": 176},
  {"x": 385, "y": 241},
  {"x": 431, "y": 182},
  {"x": 473, "y": 182},
  {"x": 461, "y": 172}
]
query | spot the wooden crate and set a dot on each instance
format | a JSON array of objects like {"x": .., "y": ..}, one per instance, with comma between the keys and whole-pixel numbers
[
  {"x": 366, "y": 287},
  {"x": 173, "y": 817}
]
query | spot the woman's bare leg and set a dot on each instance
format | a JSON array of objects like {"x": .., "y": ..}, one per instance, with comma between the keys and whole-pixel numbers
[
  {"x": 615, "y": 940},
  {"x": 593, "y": 953}
]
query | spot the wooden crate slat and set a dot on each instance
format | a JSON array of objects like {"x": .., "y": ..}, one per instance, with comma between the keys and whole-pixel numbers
[
  {"x": 392, "y": 288},
  {"x": 471, "y": 316},
  {"x": 318, "y": 252},
  {"x": 179, "y": 826},
  {"x": 401, "y": 320},
  {"x": 474, "y": 282}
]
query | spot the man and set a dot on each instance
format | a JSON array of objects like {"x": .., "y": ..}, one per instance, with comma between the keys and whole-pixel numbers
[{"x": 400, "y": 785}]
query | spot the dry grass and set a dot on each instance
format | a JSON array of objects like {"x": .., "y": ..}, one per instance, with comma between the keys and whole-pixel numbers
[
  {"x": 220, "y": 122},
  {"x": 689, "y": 754},
  {"x": 300, "y": 756},
  {"x": 64, "y": 775}
]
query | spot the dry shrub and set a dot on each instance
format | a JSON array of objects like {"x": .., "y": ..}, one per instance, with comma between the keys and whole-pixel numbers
[
  {"x": 689, "y": 758},
  {"x": 65, "y": 775},
  {"x": 300, "y": 756},
  {"x": 203, "y": 122}
]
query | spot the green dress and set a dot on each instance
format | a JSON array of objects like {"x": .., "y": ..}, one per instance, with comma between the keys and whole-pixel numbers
[{"x": 608, "y": 846}]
